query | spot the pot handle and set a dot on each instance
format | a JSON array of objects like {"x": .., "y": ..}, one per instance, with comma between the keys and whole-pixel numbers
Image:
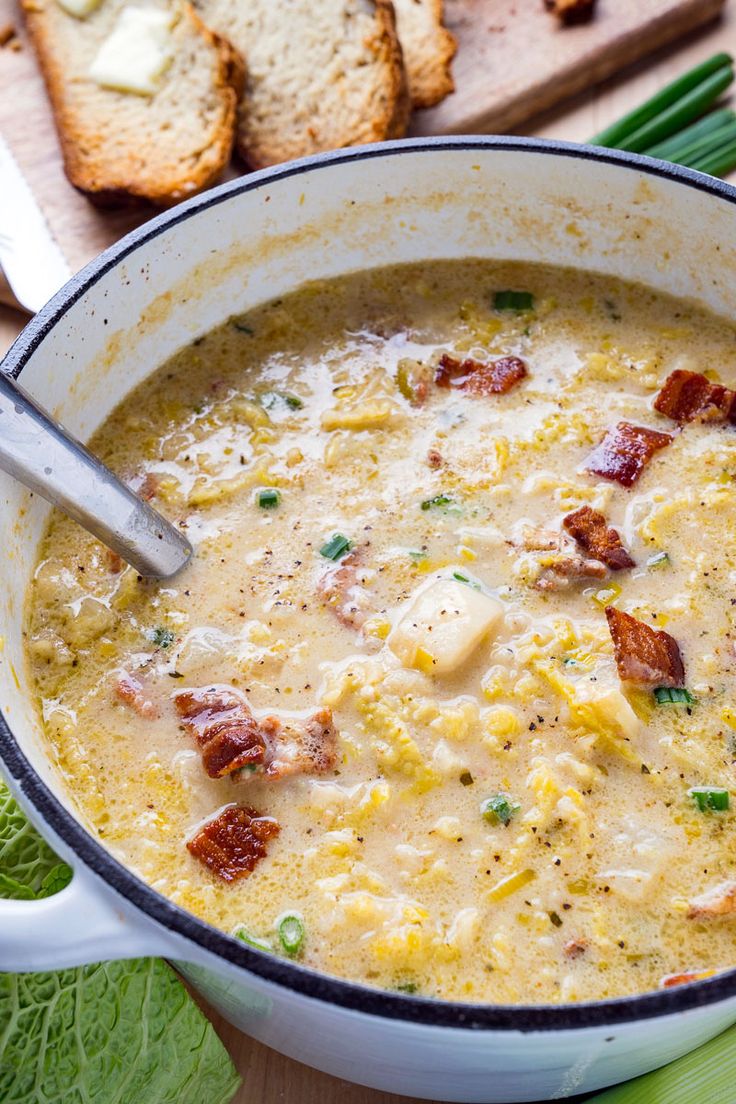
[{"x": 81, "y": 924}]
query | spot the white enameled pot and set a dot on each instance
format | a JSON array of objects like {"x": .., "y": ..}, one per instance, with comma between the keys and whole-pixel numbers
[{"x": 163, "y": 286}]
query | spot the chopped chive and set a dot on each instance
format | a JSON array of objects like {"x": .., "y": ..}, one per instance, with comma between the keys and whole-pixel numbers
[
  {"x": 710, "y": 798},
  {"x": 242, "y": 328},
  {"x": 719, "y": 162},
  {"x": 417, "y": 555},
  {"x": 270, "y": 399},
  {"x": 673, "y": 695},
  {"x": 693, "y": 153},
  {"x": 407, "y": 987},
  {"x": 336, "y": 547},
  {"x": 555, "y": 919},
  {"x": 268, "y": 498},
  {"x": 252, "y": 940},
  {"x": 660, "y": 559},
  {"x": 682, "y": 111},
  {"x": 464, "y": 579},
  {"x": 291, "y": 933},
  {"x": 613, "y": 135},
  {"x": 499, "y": 809},
  {"x": 438, "y": 500},
  {"x": 513, "y": 301},
  {"x": 466, "y": 778},
  {"x": 162, "y": 638},
  {"x": 702, "y": 129}
]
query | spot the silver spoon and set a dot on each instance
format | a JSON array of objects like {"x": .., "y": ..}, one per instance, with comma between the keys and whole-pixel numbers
[{"x": 38, "y": 452}]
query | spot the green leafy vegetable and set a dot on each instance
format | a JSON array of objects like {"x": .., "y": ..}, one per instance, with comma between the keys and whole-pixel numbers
[
  {"x": 116, "y": 1033},
  {"x": 335, "y": 547},
  {"x": 28, "y": 866},
  {"x": 291, "y": 933},
  {"x": 162, "y": 638},
  {"x": 673, "y": 695},
  {"x": 269, "y": 498},
  {"x": 513, "y": 301},
  {"x": 710, "y": 798},
  {"x": 499, "y": 809}
]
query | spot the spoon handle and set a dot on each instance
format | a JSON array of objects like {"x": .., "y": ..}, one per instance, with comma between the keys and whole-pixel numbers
[{"x": 38, "y": 452}]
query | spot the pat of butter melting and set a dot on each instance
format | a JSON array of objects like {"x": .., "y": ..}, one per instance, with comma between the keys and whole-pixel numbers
[
  {"x": 442, "y": 625},
  {"x": 136, "y": 53}
]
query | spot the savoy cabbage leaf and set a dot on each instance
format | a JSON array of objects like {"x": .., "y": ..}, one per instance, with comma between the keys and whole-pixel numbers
[{"x": 111, "y": 1033}]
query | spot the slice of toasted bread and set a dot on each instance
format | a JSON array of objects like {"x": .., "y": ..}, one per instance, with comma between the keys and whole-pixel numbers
[
  {"x": 428, "y": 50},
  {"x": 120, "y": 147},
  {"x": 321, "y": 74}
]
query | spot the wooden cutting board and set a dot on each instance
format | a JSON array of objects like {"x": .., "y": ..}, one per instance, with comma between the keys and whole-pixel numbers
[{"x": 514, "y": 60}]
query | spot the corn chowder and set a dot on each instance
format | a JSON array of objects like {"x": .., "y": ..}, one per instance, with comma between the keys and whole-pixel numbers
[{"x": 444, "y": 702}]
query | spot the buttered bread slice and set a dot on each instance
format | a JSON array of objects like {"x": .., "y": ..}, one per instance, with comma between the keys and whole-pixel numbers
[
  {"x": 321, "y": 74},
  {"x": 144, "y": 95}
]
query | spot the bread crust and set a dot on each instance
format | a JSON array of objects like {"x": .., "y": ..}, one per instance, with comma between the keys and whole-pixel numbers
[
  {"x": 109, "y": 179},
  {"x": 382, "y": 112},
  {"x": 428, "y": 51}
]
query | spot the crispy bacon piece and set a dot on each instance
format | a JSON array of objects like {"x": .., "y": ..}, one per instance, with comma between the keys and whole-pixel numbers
[
  {"x": 625, "y": 451},
  {"x": 130, "y": 691},
  {"x": 340, "y": 589},
  {"x": 234, "y": 842},
  {"x": 687, "y": 396},
  {"x": 224, "y": 727},
  {"x": 644, "y": 654},
  {"x": 574, "y": 948},
  {"x": 149, "y": 486},
  {"x": 670, "y": 980},
  {"x": 589, "y": 529},
  {"x": 719, "y": 900},
  {"x": 113, "y": 561},
  {"x": 434, "y": 458},
  {"x": 494, "y": 377},
  {"x": 231, "y": 737}
]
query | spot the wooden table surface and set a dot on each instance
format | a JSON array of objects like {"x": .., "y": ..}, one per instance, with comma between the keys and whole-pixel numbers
[{"x": 268, "y": 1077}]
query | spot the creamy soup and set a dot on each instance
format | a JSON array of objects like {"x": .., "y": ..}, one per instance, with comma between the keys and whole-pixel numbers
[{"x": 444, "y": 702}]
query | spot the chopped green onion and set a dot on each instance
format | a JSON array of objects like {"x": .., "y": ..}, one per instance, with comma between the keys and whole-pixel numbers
[
  {"x": 464, "y": 579},
  {"x": 407, "y": 987},
  {"x": 417, "y": 555},
  {"x": 719, "y": 162},
  {"x": 269, "y": 498},
  {"x": 672, "y": 93},
  {"x": 242, "y": 328},
  {"x": 706, "y": 126},
  {"x": 438, "y": 500},
  {"x": 710, "y": 798},
  {"x": 162, "y": 638},
  {"x": 253, "y": 941},
  {"x": 291, "y": 933},
  {"x": 679, "y": 113},
  {"x": 466, "y": 778},
  {"x": 413, "y": 378},
  {"x": 513, "y": 300},
  {"x": 336, "y": 547},
  {"x": 659, "y": 559},
  {"x": 499, "y": 809},
  {"x": 269, "y": 399},
  {"x": 673, "y": 695}
]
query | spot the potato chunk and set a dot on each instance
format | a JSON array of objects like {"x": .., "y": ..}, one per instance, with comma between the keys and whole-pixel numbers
[{"x": 442, "y": 625}]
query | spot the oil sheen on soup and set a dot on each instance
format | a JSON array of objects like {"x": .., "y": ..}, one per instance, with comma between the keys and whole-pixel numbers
[{"x": 445, "y": 701}]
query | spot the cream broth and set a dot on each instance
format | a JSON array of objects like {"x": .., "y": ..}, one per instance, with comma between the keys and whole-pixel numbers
[{"x": 582, "y": 879}]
